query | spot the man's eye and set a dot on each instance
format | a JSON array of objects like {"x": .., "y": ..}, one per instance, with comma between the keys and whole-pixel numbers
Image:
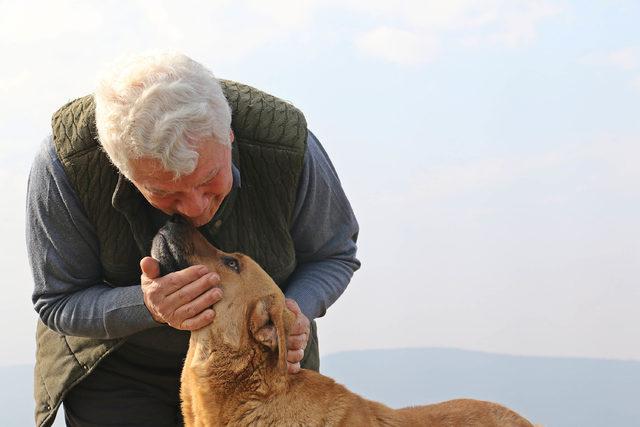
[
  {"x": 232, "y": 263},
  {"x": 204, "y": 184},
  {"x": 159, "y": 194}
]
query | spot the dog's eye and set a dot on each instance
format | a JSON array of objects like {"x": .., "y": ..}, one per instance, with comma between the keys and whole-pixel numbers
[{"x": 232, "y": 263}]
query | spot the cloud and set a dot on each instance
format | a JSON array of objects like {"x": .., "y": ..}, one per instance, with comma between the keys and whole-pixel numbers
[
  {"x": 405, "y": 32},
  {"x": 287, "y": 13},
  {"x": 516, "y": 25},
  {"x": 398, "y": 46},
  {"x": 190, "y": 24},
  {"x": 55, "y": 51},
  {"x": 423, "y": 26},
  {"x": 214, "y": 30},
  {"x": 427, "y": 14},
  {"x": 26, "y": 22},
  {"x": 615, "y": 161},
  {"x": 483, "y": 175},
  {"x": 13, "y": 83},
  {"x": 605, "y": 165},
  {"x": 626, "y": 59}
]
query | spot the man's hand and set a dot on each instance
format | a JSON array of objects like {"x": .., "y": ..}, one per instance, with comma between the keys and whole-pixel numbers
[
  {"x": 181, "y": 299},
  {"x": 297, "y": 339}
]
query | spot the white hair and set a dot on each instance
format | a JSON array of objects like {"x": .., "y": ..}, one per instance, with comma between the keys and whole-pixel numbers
[{"x": 160, "y": 106}]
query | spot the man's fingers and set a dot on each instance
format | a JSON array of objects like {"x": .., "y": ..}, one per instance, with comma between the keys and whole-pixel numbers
[
  {"x": 295, "y": 356},
  {"x": 178, "y": 279},
  {"x": 293, "y": 368},
  {"x": 191, "y": 291},
  {"x": 297, "y": 342},
  {"x": 301, "y": 325},
  {"x": 299, "y": 328},
  {"x": 164, "y": 295},
  {"x": 293, "y": 306},
  {"x": 293, "y": 360},
  {"x": 196, "y": 306},
  {"x": 197, "y": 322}
]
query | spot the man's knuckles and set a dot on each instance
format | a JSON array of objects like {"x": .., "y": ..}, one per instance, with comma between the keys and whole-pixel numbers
[
  {"x": 293, "y": 368},
  {"x": 196, "y": 322},
  {"x": 215, "y": 294},
  {"x": 295, "y": 356},
  {"x": 297, "y": 342},
  {"x": 300, "y": 328},
  {"x": 183, "y": 296}
]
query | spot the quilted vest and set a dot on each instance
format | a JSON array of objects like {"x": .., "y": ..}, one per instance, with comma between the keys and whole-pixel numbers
[{"x": 269, "y": 147}]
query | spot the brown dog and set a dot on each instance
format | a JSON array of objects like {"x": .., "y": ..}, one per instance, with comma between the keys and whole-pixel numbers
[{"x": 236, "y": 374}]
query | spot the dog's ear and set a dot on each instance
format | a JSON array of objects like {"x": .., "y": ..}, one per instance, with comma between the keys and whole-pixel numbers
[
  {"x": 261, "y": 325},
  {"x": 288, "y": 319},
  {"x": 279, "y": 319},
  {"x": 267, "y": 326}
]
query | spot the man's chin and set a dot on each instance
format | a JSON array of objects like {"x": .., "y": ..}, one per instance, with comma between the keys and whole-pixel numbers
[{"x": 199, "y": 221}]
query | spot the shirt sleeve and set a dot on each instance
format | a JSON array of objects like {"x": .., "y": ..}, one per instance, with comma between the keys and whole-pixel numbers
[
  {"x": 69, "y": 293},
  {"x": 324, "y": 230}
]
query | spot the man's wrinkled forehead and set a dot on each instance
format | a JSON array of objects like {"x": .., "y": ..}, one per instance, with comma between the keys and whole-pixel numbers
[{"x": 150, "y": 172}]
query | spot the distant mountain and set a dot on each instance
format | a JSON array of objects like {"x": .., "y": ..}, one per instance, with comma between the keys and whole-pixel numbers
[{"x": 563, "y": 392}]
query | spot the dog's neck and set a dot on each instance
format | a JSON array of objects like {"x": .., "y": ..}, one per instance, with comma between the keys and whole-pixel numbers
[
  {"x": 240, "y": 373},
  {"x": 236, "y": 382}
]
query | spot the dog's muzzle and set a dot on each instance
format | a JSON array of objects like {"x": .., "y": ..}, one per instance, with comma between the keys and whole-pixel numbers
[{"x": 171, "y": 245}]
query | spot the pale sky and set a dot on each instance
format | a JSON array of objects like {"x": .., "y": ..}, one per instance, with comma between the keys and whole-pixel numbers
[{"x": 489, "y": 149}]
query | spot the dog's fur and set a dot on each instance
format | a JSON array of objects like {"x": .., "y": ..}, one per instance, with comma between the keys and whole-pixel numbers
[{"x": 235, "y": 372}]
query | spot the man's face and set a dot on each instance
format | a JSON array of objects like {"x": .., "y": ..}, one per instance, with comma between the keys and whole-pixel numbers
[{"x": 196, "y": 196}]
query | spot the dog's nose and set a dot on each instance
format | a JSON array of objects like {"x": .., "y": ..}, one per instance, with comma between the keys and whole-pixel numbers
[
  {"x": 171, "y": 245},
  {"x": 177, "y": 219},
  {"x": 176, "y": 228},
  {"x": 176, "y": 225}
]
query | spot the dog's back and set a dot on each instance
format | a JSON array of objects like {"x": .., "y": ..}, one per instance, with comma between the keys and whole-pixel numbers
[
  {"x": 463, "y": 412},
  {"x": 314, "y": 399}
]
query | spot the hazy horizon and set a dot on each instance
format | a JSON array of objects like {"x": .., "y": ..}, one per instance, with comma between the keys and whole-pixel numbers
[{"x": 548, "y": 391}]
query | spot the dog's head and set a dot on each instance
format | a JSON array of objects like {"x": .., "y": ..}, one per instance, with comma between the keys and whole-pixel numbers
[{"x": 251, "y": 320}]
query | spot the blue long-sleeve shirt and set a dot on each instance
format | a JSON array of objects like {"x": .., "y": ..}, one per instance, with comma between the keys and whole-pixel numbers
[{"x": 71, "y": 297}]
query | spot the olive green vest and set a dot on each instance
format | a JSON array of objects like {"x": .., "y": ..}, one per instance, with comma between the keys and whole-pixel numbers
[{"x": 269, "y": 147}]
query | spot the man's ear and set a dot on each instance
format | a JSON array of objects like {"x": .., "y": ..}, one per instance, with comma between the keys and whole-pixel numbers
[{"x": 261, "y": 325}]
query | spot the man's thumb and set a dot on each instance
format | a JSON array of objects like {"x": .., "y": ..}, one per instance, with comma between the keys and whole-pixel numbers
[{"x": 150, "y": 267}]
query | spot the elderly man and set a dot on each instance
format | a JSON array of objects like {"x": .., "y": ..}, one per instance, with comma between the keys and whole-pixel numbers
[{"x": 161, "y": 136}]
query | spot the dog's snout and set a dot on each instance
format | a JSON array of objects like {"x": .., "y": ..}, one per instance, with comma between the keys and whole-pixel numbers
[
  {"x": 177, "y": 219},
  {"x": 176, "y": 225},
  {"x": 172, "y": 245}
]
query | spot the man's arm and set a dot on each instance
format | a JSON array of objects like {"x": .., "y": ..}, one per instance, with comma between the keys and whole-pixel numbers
[
  {"x": 69, "y": 293},
  {"x": 324, "y": 232}
]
